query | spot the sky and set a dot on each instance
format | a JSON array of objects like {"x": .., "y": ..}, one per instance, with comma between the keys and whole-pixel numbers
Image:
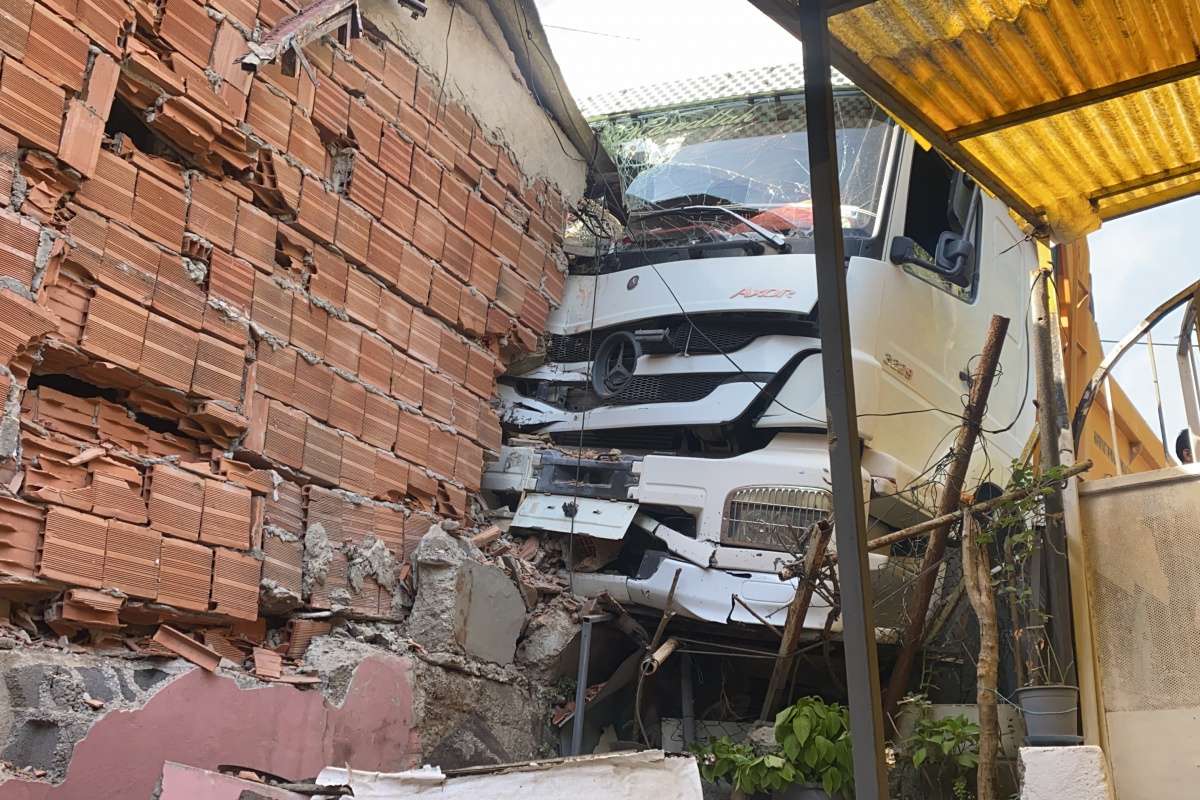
[{"x": 1137, "y": 262}]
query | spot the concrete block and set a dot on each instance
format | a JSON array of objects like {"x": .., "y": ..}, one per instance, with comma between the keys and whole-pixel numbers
[
  {"x": 489, "y": 613},
  {"x": 1065, "y": 773}
]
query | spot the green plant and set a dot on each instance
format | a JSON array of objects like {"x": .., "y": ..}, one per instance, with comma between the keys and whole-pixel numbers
[
  {"x": 1021, "y": 523},
  {"x": 812, "y": 746},
  {"x": 947, "y": 747}
]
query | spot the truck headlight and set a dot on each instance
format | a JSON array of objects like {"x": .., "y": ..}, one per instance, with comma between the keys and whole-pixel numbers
[{"x": 773, "y": 517}]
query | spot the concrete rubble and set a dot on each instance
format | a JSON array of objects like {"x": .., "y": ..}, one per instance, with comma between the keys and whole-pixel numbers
[{"x": 251, "y": 322}]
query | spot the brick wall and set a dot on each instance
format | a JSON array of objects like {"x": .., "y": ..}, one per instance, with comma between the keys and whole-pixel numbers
[{"x": 245, "y": 306}]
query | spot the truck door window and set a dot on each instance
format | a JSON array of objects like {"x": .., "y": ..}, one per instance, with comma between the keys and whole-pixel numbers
[{"x": 931, "y": 181}]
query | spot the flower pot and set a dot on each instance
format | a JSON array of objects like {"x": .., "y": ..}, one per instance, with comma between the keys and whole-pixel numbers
[
  {"x": 1051, "y": 714},
  {"x": 800, "y": 791}
]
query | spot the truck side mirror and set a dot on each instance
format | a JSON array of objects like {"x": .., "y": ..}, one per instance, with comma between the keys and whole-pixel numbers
[
  {"x": 953, "y": 258},
  {"x": 904, "y": 251},
  {"x": 958, "y": 204}
]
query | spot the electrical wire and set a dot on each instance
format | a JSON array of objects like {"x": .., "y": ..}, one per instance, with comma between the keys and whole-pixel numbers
[{"x": 446, "y": 63}]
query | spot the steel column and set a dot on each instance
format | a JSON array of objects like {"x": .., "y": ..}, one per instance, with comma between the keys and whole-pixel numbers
[
  {"x": 862, "y": 663},
  {"x": 581, "y": 680}
]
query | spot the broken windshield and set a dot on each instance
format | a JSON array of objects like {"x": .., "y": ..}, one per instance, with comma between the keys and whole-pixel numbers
[{"x": 751, "y": 155}]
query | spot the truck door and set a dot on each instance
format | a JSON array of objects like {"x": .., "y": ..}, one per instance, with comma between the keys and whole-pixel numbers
[{"x": 930, "y": 328}]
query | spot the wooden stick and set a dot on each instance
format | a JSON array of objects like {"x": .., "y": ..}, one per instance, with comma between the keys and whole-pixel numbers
[
  {"x": 951, "y": 498},
  {"x": 655, "y": 660},
  {"x": 757, "y": 616},
  {"x": 814, "y": 558},
  {"x": 977, "y": 576},
  {"x": 913, "y": 531}
]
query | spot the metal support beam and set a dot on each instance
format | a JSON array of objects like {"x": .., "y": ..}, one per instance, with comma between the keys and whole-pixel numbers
[
  {"x": 581, "y": 686},
  {"x": 1061, "y": 105},
  {"x": 849, "y": 514}
]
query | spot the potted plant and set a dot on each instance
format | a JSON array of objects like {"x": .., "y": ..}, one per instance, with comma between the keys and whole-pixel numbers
[
  {"x": 1050, "y": 709},
  {"x": 810, "y": 758},
  {"x": 943, "y": 752}
]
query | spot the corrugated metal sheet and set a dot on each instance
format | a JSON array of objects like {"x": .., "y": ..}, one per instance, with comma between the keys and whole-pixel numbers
[
  {"x": 1074, "y": 111},
  {"x": 777, "y": 78}
]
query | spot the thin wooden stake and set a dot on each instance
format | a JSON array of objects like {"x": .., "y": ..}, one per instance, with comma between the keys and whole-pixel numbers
[
  {"x": 814, "y": 558},
  {"x": 951, "y": 499},
  {"x": 977, "y": 571}
]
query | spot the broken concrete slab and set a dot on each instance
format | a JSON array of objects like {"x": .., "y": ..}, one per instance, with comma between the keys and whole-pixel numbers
[{"x": 489, "y": 612}]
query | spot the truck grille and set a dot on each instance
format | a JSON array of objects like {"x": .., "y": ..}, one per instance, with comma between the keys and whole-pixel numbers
[
  {"x": 727, "y": 335},
  {"x": 666, "y": 389},
  {"x": 773, "y": 517}
]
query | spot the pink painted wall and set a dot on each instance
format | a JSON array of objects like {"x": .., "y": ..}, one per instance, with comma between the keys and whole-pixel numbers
[{"x": 204, "y": 720}]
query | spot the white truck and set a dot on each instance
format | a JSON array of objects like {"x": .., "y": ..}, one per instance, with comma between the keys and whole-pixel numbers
[{"x": 686, "y": 357}]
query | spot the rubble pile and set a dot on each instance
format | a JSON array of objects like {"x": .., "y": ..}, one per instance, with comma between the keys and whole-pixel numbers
[{"x": 250, "y": 323}]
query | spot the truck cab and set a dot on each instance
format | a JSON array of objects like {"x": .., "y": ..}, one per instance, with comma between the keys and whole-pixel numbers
[{"x": 676, "y": 423}]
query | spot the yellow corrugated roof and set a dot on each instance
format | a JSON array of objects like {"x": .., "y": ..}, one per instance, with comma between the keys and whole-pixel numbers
[{"x": 1072, "y": 111}]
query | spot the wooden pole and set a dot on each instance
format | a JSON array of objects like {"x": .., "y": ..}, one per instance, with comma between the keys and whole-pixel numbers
[
  {"x": 814, "y": 558},
  {"x": 977, "y": 571},
  {"x": 964, "y": 446},
  {"x": 913, "y": 531}
]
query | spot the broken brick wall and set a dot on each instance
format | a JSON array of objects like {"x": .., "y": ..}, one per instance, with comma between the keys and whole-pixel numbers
[{"x": 250, "y": 323}]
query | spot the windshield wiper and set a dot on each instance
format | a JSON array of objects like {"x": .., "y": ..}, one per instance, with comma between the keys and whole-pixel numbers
[{"x": 776, "y": 240}]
